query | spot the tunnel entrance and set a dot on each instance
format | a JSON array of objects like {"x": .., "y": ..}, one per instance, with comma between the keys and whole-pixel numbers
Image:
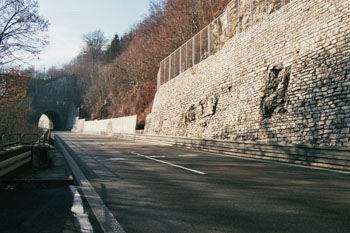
[{"x": 50, "y": 120}]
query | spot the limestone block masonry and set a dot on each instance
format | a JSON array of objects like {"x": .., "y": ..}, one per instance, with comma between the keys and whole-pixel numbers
[{"x": 285, "y": 79}]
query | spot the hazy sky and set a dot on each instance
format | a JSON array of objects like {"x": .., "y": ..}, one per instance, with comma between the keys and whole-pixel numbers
[{"x": 71, "y": 19}]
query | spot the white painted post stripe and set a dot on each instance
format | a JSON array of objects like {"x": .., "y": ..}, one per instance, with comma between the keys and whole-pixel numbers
[
  {"x": 79, "y": 213},
  {"x": 170, "y": 164},
  {"x": 106, "y": 219}
]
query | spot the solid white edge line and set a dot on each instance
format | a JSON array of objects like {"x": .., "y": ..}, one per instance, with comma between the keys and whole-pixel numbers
[
  {"x": 170, "y": 164},
  {"x": 105, "y": 218}
]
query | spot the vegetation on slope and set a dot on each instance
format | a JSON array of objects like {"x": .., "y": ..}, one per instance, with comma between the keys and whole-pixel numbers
[{"x": 120, "y": 78}]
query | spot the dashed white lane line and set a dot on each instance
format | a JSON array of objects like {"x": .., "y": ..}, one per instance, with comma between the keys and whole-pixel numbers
[
  {"x": 158, "y": 156},
  {"x": 115, "y": 159},
  {"x": 170, "y": 164},
  {"x": 188, "y": 155}
]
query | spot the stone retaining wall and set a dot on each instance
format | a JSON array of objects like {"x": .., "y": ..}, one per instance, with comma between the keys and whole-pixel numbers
[{"x": 285, "y": 79}]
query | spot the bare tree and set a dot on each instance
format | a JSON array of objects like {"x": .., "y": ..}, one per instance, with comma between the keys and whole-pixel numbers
[
  {"x": 22, "y": 31},
  {"x": 93, "y": 51}
]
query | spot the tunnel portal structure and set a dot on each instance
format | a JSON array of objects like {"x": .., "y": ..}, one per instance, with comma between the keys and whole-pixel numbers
[{"x": 57, "y": 99}]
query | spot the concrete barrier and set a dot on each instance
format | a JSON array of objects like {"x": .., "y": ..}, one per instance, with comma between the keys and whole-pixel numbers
[
  {"x": 78, "y": 125},
  {"x": 108, "y": 126},
  {"x": 98, "y": 126},
  {"x": 124, "y": 124}
]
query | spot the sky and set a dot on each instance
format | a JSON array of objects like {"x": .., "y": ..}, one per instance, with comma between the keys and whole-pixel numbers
[{"x": 71, "y": 19}]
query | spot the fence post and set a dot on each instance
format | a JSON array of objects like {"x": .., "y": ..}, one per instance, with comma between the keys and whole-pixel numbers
[
  {"x": 228, "y": 22},
  {"x": 174, "y": 61},
  {"x": 252, "y": 10},
  {"x": 1, "y": 142},
  {"x": 180, "y": 60},
  {"x": 200, "y": 46},
  {"x": 193, "y": 51},
  {"x": 238, "y": 18},
  {"x": 169, "y": 67},
  {"x": 266, "y": 8},
  {"x": 186, "y": 56},
  {"x": 164, "y": 74},
  {"x": 209, "y": 42},
  {"x": 159, "y": 75},
  {"x": 283, "y": 2}
]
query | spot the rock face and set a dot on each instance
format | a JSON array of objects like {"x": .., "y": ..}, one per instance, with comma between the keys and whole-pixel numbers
[
  {"x": 202, "y": 111},
  {"x": 276, "y": 85},
  {"x": 285, "y": 79}
]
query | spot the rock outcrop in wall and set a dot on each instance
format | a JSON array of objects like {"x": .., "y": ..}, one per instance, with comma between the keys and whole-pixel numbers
[{"x": 285, "y": 79}]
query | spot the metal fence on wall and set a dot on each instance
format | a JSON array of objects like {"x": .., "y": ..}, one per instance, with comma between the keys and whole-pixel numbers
[{"x": 238, "y": 16}]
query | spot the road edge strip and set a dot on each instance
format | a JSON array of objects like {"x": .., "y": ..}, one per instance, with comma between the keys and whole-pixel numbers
[{"x": 103, "y": 215}]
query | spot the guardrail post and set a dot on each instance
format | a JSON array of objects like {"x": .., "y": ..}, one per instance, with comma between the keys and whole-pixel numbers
[
  {"x": 1, "y": 142},
  {"x": 20, "y": 139}
]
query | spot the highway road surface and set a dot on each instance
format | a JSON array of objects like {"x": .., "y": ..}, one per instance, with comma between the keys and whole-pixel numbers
[{"x": 144, "y": 187}]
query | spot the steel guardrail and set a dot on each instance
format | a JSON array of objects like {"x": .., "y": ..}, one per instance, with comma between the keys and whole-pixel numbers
[
  {"x": 13, "y": 163},
  {"x": 17, "y": 161},
  {"x": 9, "y": 140}
]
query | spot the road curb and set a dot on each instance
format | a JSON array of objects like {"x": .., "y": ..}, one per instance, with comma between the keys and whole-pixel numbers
[{"x": 105, "y": 218}]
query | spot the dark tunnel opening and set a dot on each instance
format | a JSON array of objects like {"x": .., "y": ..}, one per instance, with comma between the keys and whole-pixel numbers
[{"x": 55, "y": 119}]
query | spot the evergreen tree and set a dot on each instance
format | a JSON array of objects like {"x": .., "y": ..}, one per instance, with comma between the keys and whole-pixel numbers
[{"x": 114, "y": 49}]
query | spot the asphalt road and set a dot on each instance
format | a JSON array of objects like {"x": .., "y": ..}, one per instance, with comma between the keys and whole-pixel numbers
[
  {"x": 154, "y": 188},
  {"x": 43, "y": 208}
]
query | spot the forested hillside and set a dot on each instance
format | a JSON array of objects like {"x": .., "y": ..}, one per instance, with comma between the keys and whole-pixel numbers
[
  {"x": 14, "y": 106},
  {"x": 120, "y": 77}
]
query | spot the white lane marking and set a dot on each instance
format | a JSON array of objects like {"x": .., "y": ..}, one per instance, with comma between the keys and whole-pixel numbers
[
  {"x": 79, "y": 213},
  {"x": 106, "y": 219},
  {"x": 188, "y": 155},
  {"x": 170, "y": 164},
  {"x": 158, "y": 156},
  {"x": 114, "y": 159}
]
